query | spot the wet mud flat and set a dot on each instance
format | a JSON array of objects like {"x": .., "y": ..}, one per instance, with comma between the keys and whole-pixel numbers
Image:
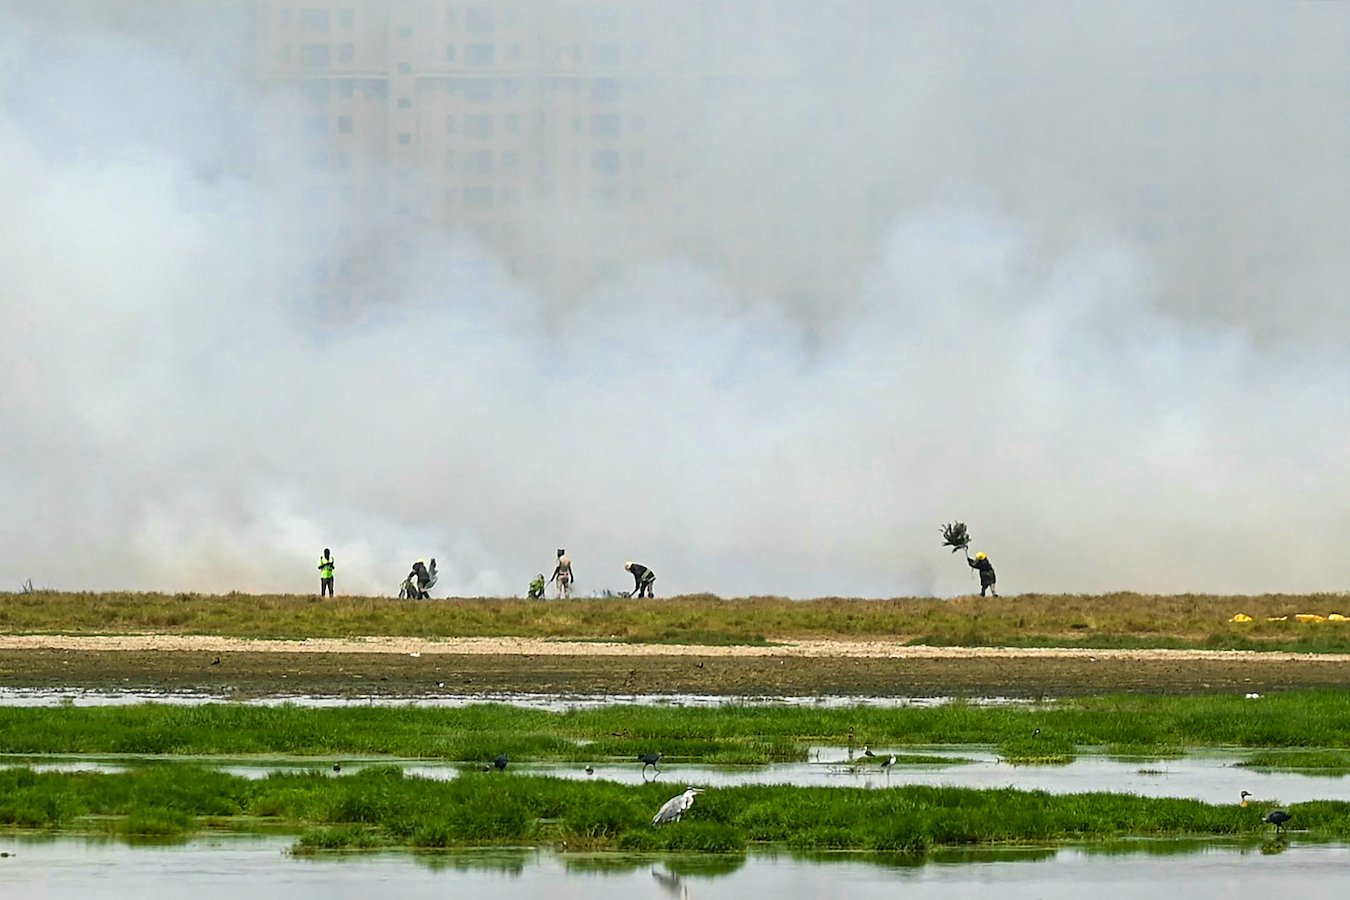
[{"x": 656, "y": 670}]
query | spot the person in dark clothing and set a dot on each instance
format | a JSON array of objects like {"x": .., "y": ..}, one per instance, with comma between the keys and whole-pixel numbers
[
  {"x": 982, "y": 564},
  {"x": 643, "y": 579},
  {"x": 420, "y": 577}
]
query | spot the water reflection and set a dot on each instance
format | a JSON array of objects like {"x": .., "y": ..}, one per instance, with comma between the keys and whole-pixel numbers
[{"x": 231, "y": 866}]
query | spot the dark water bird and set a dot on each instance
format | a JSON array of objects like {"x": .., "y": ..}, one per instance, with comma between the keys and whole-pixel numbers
[
  {"x": 216, "y": 661},
  {"x": 337, "y": 768},
  {"x": 500, "y": 762},
  {"x": 649, "y": 759},
  {"x": 675, "y": 807},
  {"x": 1277, "y": 817},
  {"x": 867, "y": 752},
  {"x": 1036, "y": 733},
  {"x": 887, "y": 763},
  {"x": 1245, "y": 795},
  {"x": 590, "y": 770}
]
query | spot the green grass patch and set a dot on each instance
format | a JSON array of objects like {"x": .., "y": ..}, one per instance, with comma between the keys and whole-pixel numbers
[
  {"x": 1321, "y": 760},
  {"x": 734, "y": 734},
  {"x": 381, "y": 808}
]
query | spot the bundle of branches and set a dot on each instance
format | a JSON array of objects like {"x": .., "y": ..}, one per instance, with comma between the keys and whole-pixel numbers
[{"x": 955, "y": 536}]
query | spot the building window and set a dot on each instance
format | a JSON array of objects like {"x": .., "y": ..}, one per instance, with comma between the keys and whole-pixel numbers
[
  {"x": 405, "y": 68},
  {"x": 346, "y": 18},
  {"x": 374, "y": 88},
  {"x": 449, "y": 159},
  {"x": 315, "y": 55},
  {"x": 513, "y": 53},
  {"x": 510, "y": 160},
  {"x": 314, "y": 21},
  {"x": 450, "y": 124},
  {"x": 405, "y": 32},
  {"x": 316, "y": 126},
  {"x": 451, "y": 15},
  {"x": 346, "y": 53},
  {"x": 478, "y": 127},
  {"x": 316, "y": 91},
  {"x": 639, "y": 123},
  {"x": 405, "y": 139},
  {"x": 509, "y": 196},
  {"x": 346, "y": 87},
  {"x": 479, "y": 91},
  {"x": 511, "y": 123},
  {"x": 345, "y": 125},
  {"x": 480, "y": 20},
  {"x": 637, "y": 159},
  {"x": 344, "y": 160},
  {"x": 605, "y": 162},
  {"x": 605, "y": 126},
  {"x": 405, "y": 103},
  {"x": 480, "y": 54},
  {"x": 511, "y": 86},
  {"x": 478, "y": 197},
  {"x": 317, "y": 161},
  {"x": 509, "y": 231},
  {"x": 605, "y": 90},
  {"x": 577, "y": 124},
  {"x": 478, "y": 162},
  {"x": 449, "y": 52},
  {"x": 607, "y": 54}
]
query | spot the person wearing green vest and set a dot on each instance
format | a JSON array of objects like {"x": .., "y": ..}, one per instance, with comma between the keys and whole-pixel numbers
[
  {"x": 537, "y": 587},
  {"x": 326, "y": 566}
]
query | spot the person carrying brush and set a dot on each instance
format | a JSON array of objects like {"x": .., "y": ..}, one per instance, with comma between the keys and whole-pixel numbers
[
  {"x": 643, "y": 579},
  {"x": 982, "y": 564}
]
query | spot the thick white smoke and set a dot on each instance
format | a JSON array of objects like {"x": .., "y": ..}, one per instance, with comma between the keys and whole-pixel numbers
[{"x": 170, "y": 421}]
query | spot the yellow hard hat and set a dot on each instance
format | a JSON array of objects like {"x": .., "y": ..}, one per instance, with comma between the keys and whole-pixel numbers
[
  {"x": 421, "y": 561},
  {"x": 980, "y": 555},
  {"x": 628, "y": 565}
]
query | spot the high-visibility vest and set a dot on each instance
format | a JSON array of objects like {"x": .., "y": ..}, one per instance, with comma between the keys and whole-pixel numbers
[{"x": 326, "y": 567}]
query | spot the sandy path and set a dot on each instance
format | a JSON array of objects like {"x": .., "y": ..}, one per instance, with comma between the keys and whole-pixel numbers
[{"x": 815, "y": 649}]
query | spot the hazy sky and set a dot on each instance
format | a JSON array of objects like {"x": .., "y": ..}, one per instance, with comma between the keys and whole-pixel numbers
[{"x": 1101, "y": 317}]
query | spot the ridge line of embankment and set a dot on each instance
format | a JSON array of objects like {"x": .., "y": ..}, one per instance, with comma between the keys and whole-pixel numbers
[{"x": 472, "y": 646}]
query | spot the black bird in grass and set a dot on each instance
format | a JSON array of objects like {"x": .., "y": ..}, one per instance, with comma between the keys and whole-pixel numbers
[
  {"x": 337, "y": 768},
  {"x": 1277, "y": 817},
  {"x": 649, "y": 759},
  {"x": 500, "y": 762},
  {"x": 216, "y": 661},
  {"x": 590, "y": 770}
]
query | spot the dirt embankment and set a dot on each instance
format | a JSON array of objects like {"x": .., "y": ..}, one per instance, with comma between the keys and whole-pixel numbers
[{"x": 399, "y": 667}]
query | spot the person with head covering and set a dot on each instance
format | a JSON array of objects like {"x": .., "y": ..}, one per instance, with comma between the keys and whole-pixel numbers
[
  {"x": 420, "y": 579},
  {"x": 643, "y": 579},
  {"x": 982, "y": 564},
  {"x": 563, "y": 575},
  {"x": 537, "y": 588},
  {"x": 326, "y": 566}
]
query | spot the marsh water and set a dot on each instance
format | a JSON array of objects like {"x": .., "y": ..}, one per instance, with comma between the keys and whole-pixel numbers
[
  {"x": 1207, "y": 774},
  {"x": 216, "y": 868}
]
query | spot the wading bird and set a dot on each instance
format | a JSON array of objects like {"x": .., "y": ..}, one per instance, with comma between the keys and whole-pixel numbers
[
  {"x": 500, "y": 762},
  {"x": 1245, "y": 795},
  {"x": 867, "y": 752},
  {"x": 590, "y": 770},
  {"x": 1277, "y": 817},
  {"x": 887, "y": 763},
  {"x": 649, "y": 759},
  {"x": 675, "y": 807}
]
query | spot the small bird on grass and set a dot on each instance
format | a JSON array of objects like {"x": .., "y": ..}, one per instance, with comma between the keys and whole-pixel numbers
[
  {"x": 649, "y": 759},
  {"x": 590, "y": 770},
  {"x": 675, "y": 807},
  {"x": 867, "y": 752},
  {"x": 500, "y": 762},
  {"x": 337, "y": 768}
]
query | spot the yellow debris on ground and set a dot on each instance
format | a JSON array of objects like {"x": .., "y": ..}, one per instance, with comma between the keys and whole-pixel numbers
[
  {"x": 1337, "y": 617},
  {"x": 1309, "y": 617},
  {"x": 1241, "y": 617},
  {"x": 1277, "y": 618}
]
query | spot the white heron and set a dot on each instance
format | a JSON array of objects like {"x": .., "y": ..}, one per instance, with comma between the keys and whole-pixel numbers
[{"x": 675, "y": 807}]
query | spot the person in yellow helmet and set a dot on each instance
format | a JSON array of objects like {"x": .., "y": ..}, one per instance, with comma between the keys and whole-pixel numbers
[
  {"x": 643, "y": 579},
  {"x": 982, "y": 564}
]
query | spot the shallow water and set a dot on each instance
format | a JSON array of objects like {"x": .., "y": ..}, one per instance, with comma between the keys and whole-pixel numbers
[
  {"x": 230, "y": 867},
  {"x": 1207, "y": 775},
  {"x": 43, "y": 697}
]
